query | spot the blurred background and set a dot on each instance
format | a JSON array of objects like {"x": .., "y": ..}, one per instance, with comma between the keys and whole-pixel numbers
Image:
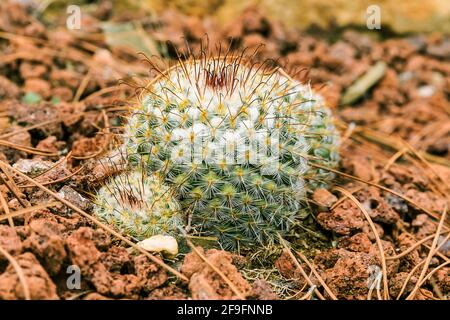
[{"x": 399, "y": 16}]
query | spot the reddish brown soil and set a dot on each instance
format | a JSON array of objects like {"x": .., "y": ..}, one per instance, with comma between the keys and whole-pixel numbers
[{"x": 69, "y": 70}]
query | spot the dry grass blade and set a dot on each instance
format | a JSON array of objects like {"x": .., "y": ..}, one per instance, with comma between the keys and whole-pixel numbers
[
  {"x": 19, "y": 271},
  {"x": 436, "y": 252},
  {"x": 55, "y": 181},
  {"x": 442, "y": 265},
  {"x": 396, "y": 144},
  {"x": 6, "y": 210},
  {"x": 410, "y": 274},
  {"x": 393, "y": 159},
  {"x": 413, "y": 247},
  {"x": 220, "y": 273},
  {"x": 377, "y": 237},
  {"x": 84, "y": 83},
  {"x": 105, "y": 144},
  {"x": 26, "y": 149},
  {"x": 56, "y": 164},
  {"x": 159, "y": 262},
  {"x": 28, "y": 210},
  {"x": 309, "y": 294},
  {"x": 428, "y": 165},
  {"x": 407, "y": 199},
  {"x": 417, "y": 266},
  {"x": 103, "y": 91},
  {"x": 430, "y": 255},
  {"x": 319, "y": 278},
  {"x": 302, "y": 271},
  {"x": 39, "y": 125},
  {"x": 9, "y": 182},
  {"x": 436, "y": 289}
]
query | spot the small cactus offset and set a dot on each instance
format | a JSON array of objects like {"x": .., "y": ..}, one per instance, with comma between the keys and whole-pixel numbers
[
  {"x": 138, "y": 205},
  {"x": 233, "y": 142}
]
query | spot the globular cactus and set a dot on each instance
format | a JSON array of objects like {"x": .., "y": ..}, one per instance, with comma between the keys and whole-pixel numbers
[
  {"x": 233, "y": 141},
  {"x": 139, "y": 206}
]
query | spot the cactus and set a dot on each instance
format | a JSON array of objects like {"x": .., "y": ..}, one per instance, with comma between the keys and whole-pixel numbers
[
  {"x": 138, "y": 205},
  {"x": 233, "y": 141}
]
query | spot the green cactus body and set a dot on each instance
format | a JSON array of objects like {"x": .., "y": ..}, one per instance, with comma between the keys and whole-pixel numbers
[
  {"x": 138, "y": 205},
  {"x": 233, "y": 142}
]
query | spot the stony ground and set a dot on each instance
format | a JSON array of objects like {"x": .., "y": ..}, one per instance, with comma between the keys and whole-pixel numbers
[{"x": 383, "y": 224}]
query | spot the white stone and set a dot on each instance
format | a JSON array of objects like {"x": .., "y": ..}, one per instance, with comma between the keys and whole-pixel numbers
[{"x": 167, "y": 245}]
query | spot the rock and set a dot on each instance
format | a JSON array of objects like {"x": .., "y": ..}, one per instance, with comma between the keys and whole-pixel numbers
[
  {"x": 84, "y": 147},
  {"x": 347, "y": 273},
  {"x": 75, "y": 198},
  {"x": 38, "y": 113},
  {"x": 206, "y": 284},
  {"x": 8, "y": 89},
  {"x": 377, "y": 208},
  {"x": 444, "y": 247},
  {"x": 102, "y": 239},
  {"x": 192, "y": 263},
  {"x": 44, "y": 171},
  {"x": 409, "y": 261},
  {"x": 150, "y": 274},
  {"x": 261, "y": 290},
  {"x": 83, "y": 253},
  {"x": 126, "y": 285},
  {"x": 170, "y": 292},
  {"x": 39, "y": 86},
  {"x": 116, "y": 259},
  {"x": 32, "y": 166},
  {"x": 22, "y": 138},
  {"x": 443, "y": 280},
  {"x": 360, "y": 242},
  {"x": 343, "y": 219},
  {"x": 95, "y": 296},
  {"x": 50, "y": 144},
  {"x": 9, "y": 241},
  {"x": 396, "y": 283},
  {"x": 46, "y": 242},
  {"x": 29, "y": 70},
  {"x": 358, "y": 165},
  {"x": 324, "y": 198},
  {"x": 420, "y": 220},
  {"x": 287, "y": 267},
  {"x": 441, "y": 50},
  {"x": 63, "y": 93},
  {"x": 39, "y": 283}
]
